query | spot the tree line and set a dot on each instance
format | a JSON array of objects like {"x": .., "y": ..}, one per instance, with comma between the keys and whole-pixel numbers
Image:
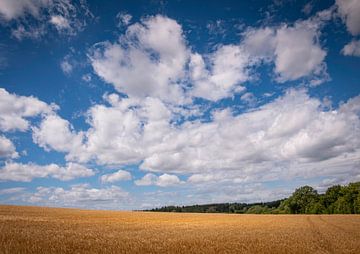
[{"x": 337, "y": 199}]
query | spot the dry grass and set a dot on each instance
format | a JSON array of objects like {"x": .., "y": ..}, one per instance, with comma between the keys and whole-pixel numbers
[{"x": 50, "y": 230}]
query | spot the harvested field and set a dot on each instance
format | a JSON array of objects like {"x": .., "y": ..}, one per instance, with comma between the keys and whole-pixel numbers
[{"x": 52, "y": 230}]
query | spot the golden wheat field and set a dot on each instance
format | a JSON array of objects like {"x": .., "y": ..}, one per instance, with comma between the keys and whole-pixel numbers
[{"x": 53, "y": 230}]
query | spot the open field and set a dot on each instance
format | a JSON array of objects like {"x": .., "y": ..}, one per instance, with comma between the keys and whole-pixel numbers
[{"x": 50, "y": 230}]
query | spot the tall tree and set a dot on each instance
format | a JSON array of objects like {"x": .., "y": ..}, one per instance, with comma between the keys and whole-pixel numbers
[{"x": 303, "y": 200}]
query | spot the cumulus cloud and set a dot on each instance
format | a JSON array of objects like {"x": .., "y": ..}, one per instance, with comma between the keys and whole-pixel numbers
[
  {"x": 350, "y": 13},
  {"x": 120, "y": 175},
  {"x": 80, "y": 196},
  {"x": 148, "y": 179},
  {"x": 103, "y": 140},
  {"x": 295, "y": 135},
  {"x": 260, "y": 42},
  {"x": 7, "y": 148},
  {"x": 13, "y": 171},
  {"x": 117, "y": 131},
  {"x": 152, "y": 123},
  {"x": 295, "y": 50},
  {"x": 352, "y": 48},
  {"x": 298, "y": 52},
  {"x": 14, "y": 110},
  {"x": 229, "y": 68},
  {"x": 152, "y": 57},
  {"x": 148, "y": 60},
  {"x": 164, "y": 180},
  {"x": 140, "y": 64},
  {"x": 278, "y": 139},
  {"x": 55, "y": 133}
]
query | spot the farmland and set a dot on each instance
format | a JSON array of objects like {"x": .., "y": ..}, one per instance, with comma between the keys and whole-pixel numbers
[{"x": 55, "y": 230}]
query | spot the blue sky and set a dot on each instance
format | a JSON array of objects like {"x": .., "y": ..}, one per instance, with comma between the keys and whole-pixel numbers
[{"x": 138, "y": 104}]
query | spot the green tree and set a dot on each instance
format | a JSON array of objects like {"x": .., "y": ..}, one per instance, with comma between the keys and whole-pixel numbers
[
  {"x": 258, "y": 209},
  {"x": 337, "y": 199},
  {"x": 302, "y": 200},
  {"x": 342, "y": 206},
  {"x": 357, "y": 204},
  {"x": 350, "y": 194},
  {"x": 315, "y": 207},
  {"x": 332, "y": 194}
]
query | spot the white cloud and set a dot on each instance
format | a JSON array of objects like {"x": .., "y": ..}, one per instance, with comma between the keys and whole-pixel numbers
[
  {"x": 66, "y": 66},
  {"x": 350, "y": 12},
  {"x": 148, "y": 179},
  {"x": 352, "y": 48},
  {"x": 22, "y": 32},
  {"x": 60, "y": 22},
  {"x": 123, "y": 19},
  {"x": 293, "y": 136},
  {"x": 13, "y": 171},
  {"x": 229, "y": 68},
  {"x": 260, "y": 42},
  {"x": 114, "y": 134},
  {"x": 308, "y": 8},
  {"x": 249, "y": 98},
  {"x": 14, "y": 110},
  {"x": 215, "y": 192},
  {"x": 69, "y": 63},
  {"x": 7, "y": 148},
  {"x": 112, "y": 138},
  {"x": 10, "y": 9},
  {"x": 217, "y": 27},
  {"x": 278, "y": 139},
  {"x": 10, "y": 191},
  {"x": 35, "y": 17},
  {"x": 72, "y": 171},
  {"x": 164, "y": 180},
  {"x": 141, "y": 64},
  {"x": 120, "y": 175},
  {"x": 295, "y": 50},
  {"x": 86, "y": 77},
  {"x": 55, "y": 133},
  {"x": 298, "y": 52},
  {"x": 200, "y": 178},
  {"x": 148, "y": 60},
  {"x": 80, "y": 196}
]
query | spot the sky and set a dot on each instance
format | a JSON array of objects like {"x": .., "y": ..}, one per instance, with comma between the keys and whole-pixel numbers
[{"x": 140, "y": 104}]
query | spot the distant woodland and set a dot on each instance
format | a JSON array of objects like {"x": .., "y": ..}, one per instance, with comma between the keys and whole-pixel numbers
[{"x": 305, "y": 200}]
